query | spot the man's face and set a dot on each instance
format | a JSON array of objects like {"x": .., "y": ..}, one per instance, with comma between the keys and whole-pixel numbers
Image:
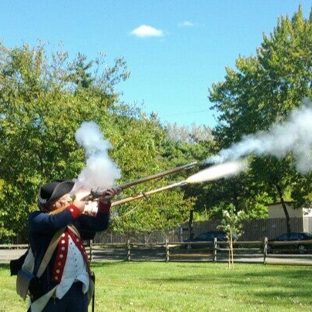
[{"x": 63, "y": 201}]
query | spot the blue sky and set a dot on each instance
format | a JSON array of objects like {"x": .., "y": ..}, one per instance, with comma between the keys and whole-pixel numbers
[{"x": 175, "y": 49}]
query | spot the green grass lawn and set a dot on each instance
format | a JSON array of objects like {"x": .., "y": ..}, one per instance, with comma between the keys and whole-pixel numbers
[{"x": 184, "y": 286}]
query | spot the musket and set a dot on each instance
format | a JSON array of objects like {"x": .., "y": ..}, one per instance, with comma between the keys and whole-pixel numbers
[
  {"x": 146, "y": 194},
  {"x": 96, "y": 194},
  {"x": 206, "y": 175}
]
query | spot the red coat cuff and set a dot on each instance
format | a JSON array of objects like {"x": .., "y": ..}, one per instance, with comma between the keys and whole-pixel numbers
[
  {"x": 104, "y": 208},
  {"x": 75, "y": 212}
]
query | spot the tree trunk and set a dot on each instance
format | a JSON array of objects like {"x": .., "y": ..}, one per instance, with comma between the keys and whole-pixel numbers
[
  {"x": 280, "y": 194},
  {"x": 190, "y": 224}
]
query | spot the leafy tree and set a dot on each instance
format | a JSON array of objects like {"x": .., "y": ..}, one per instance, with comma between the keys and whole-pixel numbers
[
  {"x": 264, "y": 89},
  {"x": 190, "y": 144},
  {"x": 80, "y": 75},
  {"x": 232, "y": 224},
  {"x": 139, "y": 150},
  {"x": 240, "y": 191},
  {"x": 43, "y": 101},
  {"x": 40, "y": 112},
  {"x": 193, "y": 134}
]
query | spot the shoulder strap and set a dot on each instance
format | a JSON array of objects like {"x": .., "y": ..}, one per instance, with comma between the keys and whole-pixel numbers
[
  {"x": 47, "y": 256},
  {"x": 74, "y": 230}
]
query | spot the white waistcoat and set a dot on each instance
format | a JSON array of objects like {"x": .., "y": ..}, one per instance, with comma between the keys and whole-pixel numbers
[{"x": 74, "y": 270}]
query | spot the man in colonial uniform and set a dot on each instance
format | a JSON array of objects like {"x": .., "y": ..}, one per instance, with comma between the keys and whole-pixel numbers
[{"x": 65, "y": 284}]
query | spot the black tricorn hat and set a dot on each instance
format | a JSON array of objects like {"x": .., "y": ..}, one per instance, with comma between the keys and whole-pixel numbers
[{"x": 53, "y": 190}]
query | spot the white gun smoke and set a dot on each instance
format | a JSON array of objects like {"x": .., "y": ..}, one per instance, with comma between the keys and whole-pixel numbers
[
  {"x": 100, "y": 171},
  {"x": 294, "y": 135},
  {"x": 225, "y": 170}
]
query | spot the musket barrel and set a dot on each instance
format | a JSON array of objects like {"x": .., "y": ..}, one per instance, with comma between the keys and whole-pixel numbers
[
  {"x": 146, "y": 194},
  {"x": 157, "y": 175},
  {"x": 97, "y": 194}
]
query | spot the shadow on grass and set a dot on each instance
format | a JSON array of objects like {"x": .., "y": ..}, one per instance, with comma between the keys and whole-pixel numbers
[
  {"x": 261, "y": 283},
  {"x": 4, "y": 266}
]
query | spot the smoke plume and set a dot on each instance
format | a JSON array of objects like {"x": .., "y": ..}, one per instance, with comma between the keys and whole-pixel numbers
[
  {"x": 100, "y": 171},
  {"x": 294, "y": 135},
  {"x": 225, "y": 170}
]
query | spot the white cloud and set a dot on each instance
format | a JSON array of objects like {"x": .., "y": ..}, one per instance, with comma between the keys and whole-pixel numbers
[
  {"x": 147, "y": 31},
  {"x": 187, "y": 24}
]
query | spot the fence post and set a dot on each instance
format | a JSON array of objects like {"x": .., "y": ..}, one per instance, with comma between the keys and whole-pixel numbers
[
  {"x": 88, "y": 247},
  {"x": 265, "y": 250},
  {"x": 215, "y": 247},
  {"x": 91, "y": 252},
  {"x": 128, "y": 250},
  {"x": 167, "y": 250}
]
